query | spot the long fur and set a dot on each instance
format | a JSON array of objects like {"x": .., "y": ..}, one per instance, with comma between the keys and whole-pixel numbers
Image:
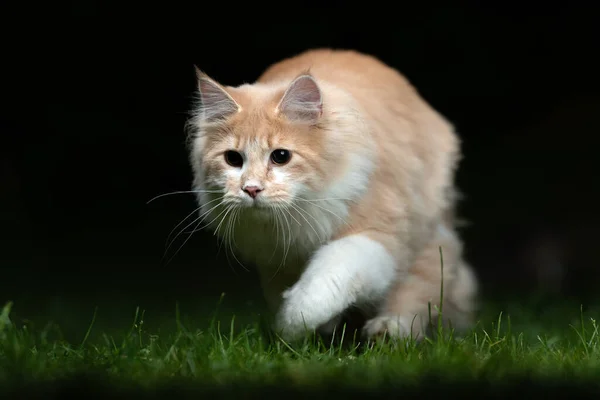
[{"x": 357, "y": 216}]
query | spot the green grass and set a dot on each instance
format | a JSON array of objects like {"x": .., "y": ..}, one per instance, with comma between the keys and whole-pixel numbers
[{"x": 550, "y": 346}]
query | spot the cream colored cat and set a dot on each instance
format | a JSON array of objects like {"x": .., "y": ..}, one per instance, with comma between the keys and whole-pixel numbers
[{"x": 335, "y": 179}]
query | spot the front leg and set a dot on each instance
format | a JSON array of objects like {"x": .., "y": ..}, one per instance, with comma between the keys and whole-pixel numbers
[{"x": 352, "y": 270}]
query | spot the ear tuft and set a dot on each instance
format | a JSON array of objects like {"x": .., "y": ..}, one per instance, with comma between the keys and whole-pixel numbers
[
  {"x": 216, "y": 104},
  {"x": 302, "y": 101}
]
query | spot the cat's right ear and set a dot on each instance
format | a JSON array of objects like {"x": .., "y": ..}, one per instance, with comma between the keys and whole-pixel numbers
[
  {"x": 216, "y": 103},
  {"x": 302, "y": 101}
]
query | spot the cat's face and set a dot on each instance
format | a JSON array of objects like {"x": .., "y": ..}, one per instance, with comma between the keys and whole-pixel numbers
[
  {"x": 259, "y": 165},
  {"x": 261, "y": 148}
]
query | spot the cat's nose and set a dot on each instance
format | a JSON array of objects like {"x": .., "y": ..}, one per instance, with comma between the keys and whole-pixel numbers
[{"x": 252, "y": 191}]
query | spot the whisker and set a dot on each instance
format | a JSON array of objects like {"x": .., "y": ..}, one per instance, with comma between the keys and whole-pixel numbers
[
  {"x": 211, "y": 222},
  {"x": 214, "y": 219},
  {"x": 229, "y": 208},
  {"x": 289, "y": 243},
  {"x": 200, "y": 218},
  {"x": 326, "y": 199},
  {"x": 300, "y": 211},
  {"x": 224, "y": 241},
  {"x": 275, "y": 227},
  {"x": 181, "y": 247},
  {"x": 290, "y": 214},
  {"x": 183, "y": 192},
  {"x": 189, "y": 215},
  {"x": 232, "y": 243},
  {"x": 332, "y": 213},
  {"x": 227, "y": 240},
  {"x": 277, "y": 215},
  {"x": 196, "y": 230},
  {"x": 181, "y": 222},
  {"x": 224, "y": 238}
]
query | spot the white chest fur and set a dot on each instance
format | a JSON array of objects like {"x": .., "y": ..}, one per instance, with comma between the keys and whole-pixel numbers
[{"x": 272, "y": 239}]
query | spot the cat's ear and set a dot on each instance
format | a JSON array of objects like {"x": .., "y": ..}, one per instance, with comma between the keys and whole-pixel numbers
[
  {"x": 302, "y": 101},
  {"x": 216, "y": 104}
]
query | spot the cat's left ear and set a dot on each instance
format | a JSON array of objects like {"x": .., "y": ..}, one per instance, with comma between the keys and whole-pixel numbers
[
  {"x": 216, "y": 102},
  {"x": 302, "y": 101}
]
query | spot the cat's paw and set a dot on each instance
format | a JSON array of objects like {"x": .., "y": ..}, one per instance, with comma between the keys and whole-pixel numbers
[
  {"x": 293, "y": 319},
  {"x": 300, "y": 313},
  {"x": 392, "y": 326}
]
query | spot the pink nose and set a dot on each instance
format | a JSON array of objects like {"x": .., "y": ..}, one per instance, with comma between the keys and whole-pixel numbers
[{"x": 252, "y": 191}]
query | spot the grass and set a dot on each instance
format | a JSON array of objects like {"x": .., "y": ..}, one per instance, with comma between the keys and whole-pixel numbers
[{"x": 557, "y": 346}]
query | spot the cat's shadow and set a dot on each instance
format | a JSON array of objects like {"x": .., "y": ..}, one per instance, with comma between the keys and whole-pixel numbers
[{"x": 347, "y": 336}]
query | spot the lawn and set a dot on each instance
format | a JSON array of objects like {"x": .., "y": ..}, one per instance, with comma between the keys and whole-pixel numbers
[{"x": 549, "y": 346}]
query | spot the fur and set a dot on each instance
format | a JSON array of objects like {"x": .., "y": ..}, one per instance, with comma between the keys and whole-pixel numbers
[{"x": 357, "y": 215}]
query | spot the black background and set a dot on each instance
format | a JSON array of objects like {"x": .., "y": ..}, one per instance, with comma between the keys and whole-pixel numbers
[{"x": 95, "y": 97}]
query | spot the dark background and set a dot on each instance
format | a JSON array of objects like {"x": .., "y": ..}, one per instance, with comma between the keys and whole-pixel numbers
[{"x": 95, "y": 97}]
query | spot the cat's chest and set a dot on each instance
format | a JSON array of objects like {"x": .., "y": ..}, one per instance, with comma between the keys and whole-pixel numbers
[
  {"x": 283, "y": 238},
  {"x": 273, "y": 245}
]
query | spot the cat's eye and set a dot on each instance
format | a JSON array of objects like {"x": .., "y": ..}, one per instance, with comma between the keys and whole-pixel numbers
[
  {"x": 234, "y": 158},
  {"x": 280, "y": 156}
]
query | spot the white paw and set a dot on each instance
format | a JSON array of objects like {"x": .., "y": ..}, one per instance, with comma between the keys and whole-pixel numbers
[
  {"x": 392, "y": 326},
  {"x": 352, "y": 269},
  {"x": 299, "y": 314}
]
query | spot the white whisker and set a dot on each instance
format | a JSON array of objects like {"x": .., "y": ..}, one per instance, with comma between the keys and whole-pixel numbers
[
  {"x": 300, "y": 212},
  {"x": 199, "y": 218},
  {"x": 326, "y": 199},
  {"x": 213, "y": 220},
  {"x": 227, "y": 238},
  {"x": 183, "y": 192},
  {"x": 332, "y": 213},
  {"x": 232, "y": 243},
  {"x": 275, "y": 227},
  {"x": 224, "y": 239},
  {"x": 228, "y": 210},
  {"x": 181, "y": 247},
  {"x": 290, "y": 214},
  {"x": 189, "y": 215},
  {"x": 289, "y": 241}
]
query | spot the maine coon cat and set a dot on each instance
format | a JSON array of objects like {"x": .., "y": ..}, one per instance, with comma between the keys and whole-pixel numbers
[{"x": 334, "y": 178}]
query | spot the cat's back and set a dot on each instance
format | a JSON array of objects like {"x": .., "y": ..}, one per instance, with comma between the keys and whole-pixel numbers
[
  {"x": 388, "y": 100},
  {"x": 417, "y": 147},
  {"x": 334, "y": 66},
  {"x": 360, "y": 74}
]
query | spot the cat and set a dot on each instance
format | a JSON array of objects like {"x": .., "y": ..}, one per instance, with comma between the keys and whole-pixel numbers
[{"x": 334, "y": 178}]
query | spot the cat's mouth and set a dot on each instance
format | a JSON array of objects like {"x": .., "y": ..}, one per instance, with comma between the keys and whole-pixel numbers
[
  {"x": 258, "y": 211},
  {"x": 260, "y": 206},
  {"x": 255, "y": 203}
]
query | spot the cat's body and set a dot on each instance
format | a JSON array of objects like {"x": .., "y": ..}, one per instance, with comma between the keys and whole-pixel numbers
[{"x": 360, "y": 170}]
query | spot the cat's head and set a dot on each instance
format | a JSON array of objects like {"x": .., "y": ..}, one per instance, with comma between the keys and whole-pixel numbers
[{"x": 264, "y": 144}]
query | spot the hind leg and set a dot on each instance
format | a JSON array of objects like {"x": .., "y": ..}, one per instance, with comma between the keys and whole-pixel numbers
[{"x": 406, "y": 311}]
